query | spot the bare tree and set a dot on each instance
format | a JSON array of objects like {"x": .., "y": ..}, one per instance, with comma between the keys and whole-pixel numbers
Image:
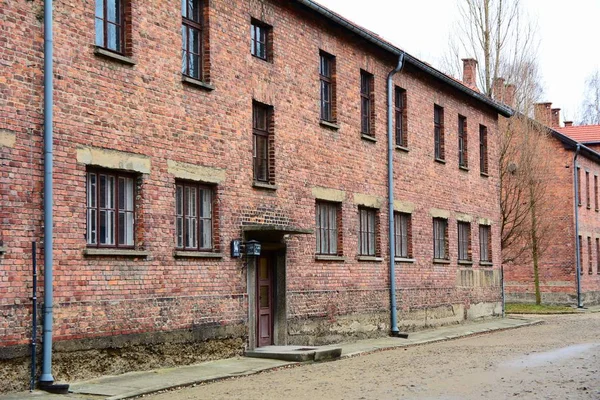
[{"x": 590, "y": 108}]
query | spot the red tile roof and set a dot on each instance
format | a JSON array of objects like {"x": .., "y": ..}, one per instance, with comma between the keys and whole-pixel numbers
[{"x": 582, "y": 133}]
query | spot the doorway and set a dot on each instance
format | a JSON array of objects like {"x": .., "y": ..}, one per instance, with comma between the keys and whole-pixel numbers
[{"x": 265, "y": 296}]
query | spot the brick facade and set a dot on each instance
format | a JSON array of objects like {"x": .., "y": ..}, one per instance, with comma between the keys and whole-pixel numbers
[{"x": 143, "y": 119}]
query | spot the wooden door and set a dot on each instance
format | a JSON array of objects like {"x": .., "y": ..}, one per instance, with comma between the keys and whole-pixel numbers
[{"x": 264, "y": 300}]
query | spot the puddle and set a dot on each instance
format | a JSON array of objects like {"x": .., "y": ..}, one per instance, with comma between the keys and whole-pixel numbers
[{"x": 538, "y": 359}]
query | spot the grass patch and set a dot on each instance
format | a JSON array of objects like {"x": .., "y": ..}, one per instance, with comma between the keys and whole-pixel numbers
[{"x": 517, "y": 308}]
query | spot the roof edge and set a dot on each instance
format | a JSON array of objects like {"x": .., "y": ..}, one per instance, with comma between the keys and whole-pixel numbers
[{"x": 502, "y": 109}]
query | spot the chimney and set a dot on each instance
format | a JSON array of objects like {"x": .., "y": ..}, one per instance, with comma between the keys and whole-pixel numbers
[
  {"x": 498, "y": 90},
  {"x": 470, "y": 72},
  {"x": 568, "y": 123},
  {"x": 543, "y": 113},
  {"x": 555, "y": 118},
  {"x": 509, "y": 95}
]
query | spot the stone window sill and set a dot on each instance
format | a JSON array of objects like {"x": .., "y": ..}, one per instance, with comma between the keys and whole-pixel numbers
[
  {"x": 486, "y": 264},
  {"x": 465, "y": 262},
  {"x": 441, "y": 261},
  {"x": 463, "y": 168},
  {"x": 483, "y": 174},
  {"x": 196, "y": 254},
  {"x": 2, "y": 249},
  {"x": 328, "y": 124},
  {"x": 116, "y": 253},
  {"x": 368, "y": 138},
  {"x": 402, "y": 148},
  {"x": 404, "y": 260},
  {"x": 263, "y": 185},
  {"x": 325, "y": 257},
  {"x": 100, "y": 51},
  {"x": 369, "y": 258},
  {"x": 197, "y": 83},
  {"x": 439, "y": 160},
  {"x": 589, "y": 207}
]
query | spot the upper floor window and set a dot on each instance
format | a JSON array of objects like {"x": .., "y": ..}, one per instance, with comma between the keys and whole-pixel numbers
[
  {"x": 260, "y": 40},
  {"x": 367, "y": 245},
  {"x": 401, "y": 117},
  {"x": 328, "y": 228},
  {"x": 440, "y": 238},
  {"x": 262, "y": 142},
  {"x": 464, "y": 241},
  {"x": 110, "y": 209},
  {"x": 327, "y": 79},
  {"x": 193, "y": 216},
  {"x": 483, "y": 149},
  {"x": 438, "y": 132},
  {"x": 192, "y": 38},
  {"x": 367, "y": 99},
  {"x": 579, "y": 186},
  {"x": 403, "y": 235},
  {"x": 110, "y": 25},
  {"x": 596, "y": 192},
  {"x": 587, "y": 189},
  {"x": 463, "y": 158}
]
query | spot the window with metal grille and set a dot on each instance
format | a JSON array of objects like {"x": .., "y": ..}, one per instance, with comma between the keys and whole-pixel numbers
[
  {"x": 403, "y": 235},
  {"x": 327, "y": 79},
  {"x": 401, "y": 117},
  {"x": 367, "y": 231},
  {"x": 464, "y": 241},
  {"x": 192, "y": 39},
  {"x": 483, "y": 150},
  {"x": 110, "y": 209},
  {"x": 261, "y": 132},
  {"x": 193, "y": 216},
  {"x": 485, "y": 244},
  {"x": 589, "y": 243},
  {"x": 327, "y": 228},
  {"x": 260, "y": 36},
  {"x": 110, "y": 25},
  {"x": 438, "y": 131},
  {"x": 366, "y": 103},
  {"x": 463, "y": 158},
  {"x": 440, "y": 238}
]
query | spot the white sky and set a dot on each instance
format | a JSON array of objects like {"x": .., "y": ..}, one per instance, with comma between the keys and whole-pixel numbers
[{"x": 568, "y": 33}]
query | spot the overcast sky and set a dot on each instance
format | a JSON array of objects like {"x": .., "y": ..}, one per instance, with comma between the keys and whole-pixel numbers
[{"x": 568, "y": 33}]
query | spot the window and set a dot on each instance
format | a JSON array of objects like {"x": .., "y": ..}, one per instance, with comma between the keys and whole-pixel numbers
[
  {"x": 597, "y": 256},
  {"x": 587, "y": 190},
  {"x": 193, "y": 216},
  {"x": 579, "y": 186},
  {"x": 192, "y": 38},
  {"x": 596, "y": 192},
  {"x": 327, "y": 79},
  {"x": 463, "y": 158},
  {"x": 580, "y": 255},
  {"x": 401, "y": 117},
  {"x": 263, "y": 142},
  {"x": 110, "y": 209},
  {"x": 260, "y": 40},
  {"x": 464, "y": 241},
  {"x": 367, "y": 231},
  {"x": 483, "y": 150},
  {"x": 328, "y": 221},
  {"x": 367, "y": 99},
  {"x": 440, "y": 239},
  {"x": 110, "y": 25},
  {"x": 438, "y": 130},
  {"x": 485, "y": 243},
  {"x": 403, "y": 235},
  {"x": 589, "y": 255}
]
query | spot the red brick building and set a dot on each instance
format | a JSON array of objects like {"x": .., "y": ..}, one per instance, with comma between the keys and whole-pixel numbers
[
  {"x": 558, "y": 263},
  {"x": 271, "y": 127}
]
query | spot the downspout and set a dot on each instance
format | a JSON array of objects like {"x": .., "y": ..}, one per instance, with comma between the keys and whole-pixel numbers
[
  {"x": 392, "y": 241},
  {"x": 577, "y": 249},
  {"x": 47, "y": 379}
]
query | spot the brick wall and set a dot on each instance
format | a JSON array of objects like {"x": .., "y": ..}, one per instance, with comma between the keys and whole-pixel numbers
[{"x": 147, "y": 111}]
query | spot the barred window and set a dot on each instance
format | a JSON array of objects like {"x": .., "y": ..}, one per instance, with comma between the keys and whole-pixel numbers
[
  {"x": 403, "y": 235},
  {"x": 367, "y": 231},
  {"x": 485, "y": 244},
  {"x": 440, "y": 238},
  {"x": 464, "y": 241},
  {"x": 327, "y": 228},
  {"x": 193, "y": 216}
]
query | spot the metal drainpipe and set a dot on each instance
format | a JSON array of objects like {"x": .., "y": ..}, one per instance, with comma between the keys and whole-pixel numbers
[
  {"x": 47, "y": 379},
  {"x": 390, "y": 96},
  {"x": 577, "y": 249}
]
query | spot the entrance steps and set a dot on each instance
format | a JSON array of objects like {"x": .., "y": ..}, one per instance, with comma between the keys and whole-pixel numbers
[{"x": 296, "y": 353}]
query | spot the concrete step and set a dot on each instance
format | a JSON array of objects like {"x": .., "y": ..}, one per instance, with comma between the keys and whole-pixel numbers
[{"x": 296, "y": 353}]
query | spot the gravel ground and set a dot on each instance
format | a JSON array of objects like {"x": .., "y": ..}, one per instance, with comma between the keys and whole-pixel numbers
[{"x": 556, "y": 360}]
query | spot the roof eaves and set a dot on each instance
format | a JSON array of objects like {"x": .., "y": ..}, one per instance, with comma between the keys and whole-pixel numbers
[{"x": 502, "y": 109}]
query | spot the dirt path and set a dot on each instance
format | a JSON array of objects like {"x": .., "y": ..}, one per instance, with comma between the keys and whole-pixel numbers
[{"x": 557, "y": 360}]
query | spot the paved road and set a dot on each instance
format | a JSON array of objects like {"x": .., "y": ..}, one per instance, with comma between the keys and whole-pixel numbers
[{"x": 557, "y": 360}]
